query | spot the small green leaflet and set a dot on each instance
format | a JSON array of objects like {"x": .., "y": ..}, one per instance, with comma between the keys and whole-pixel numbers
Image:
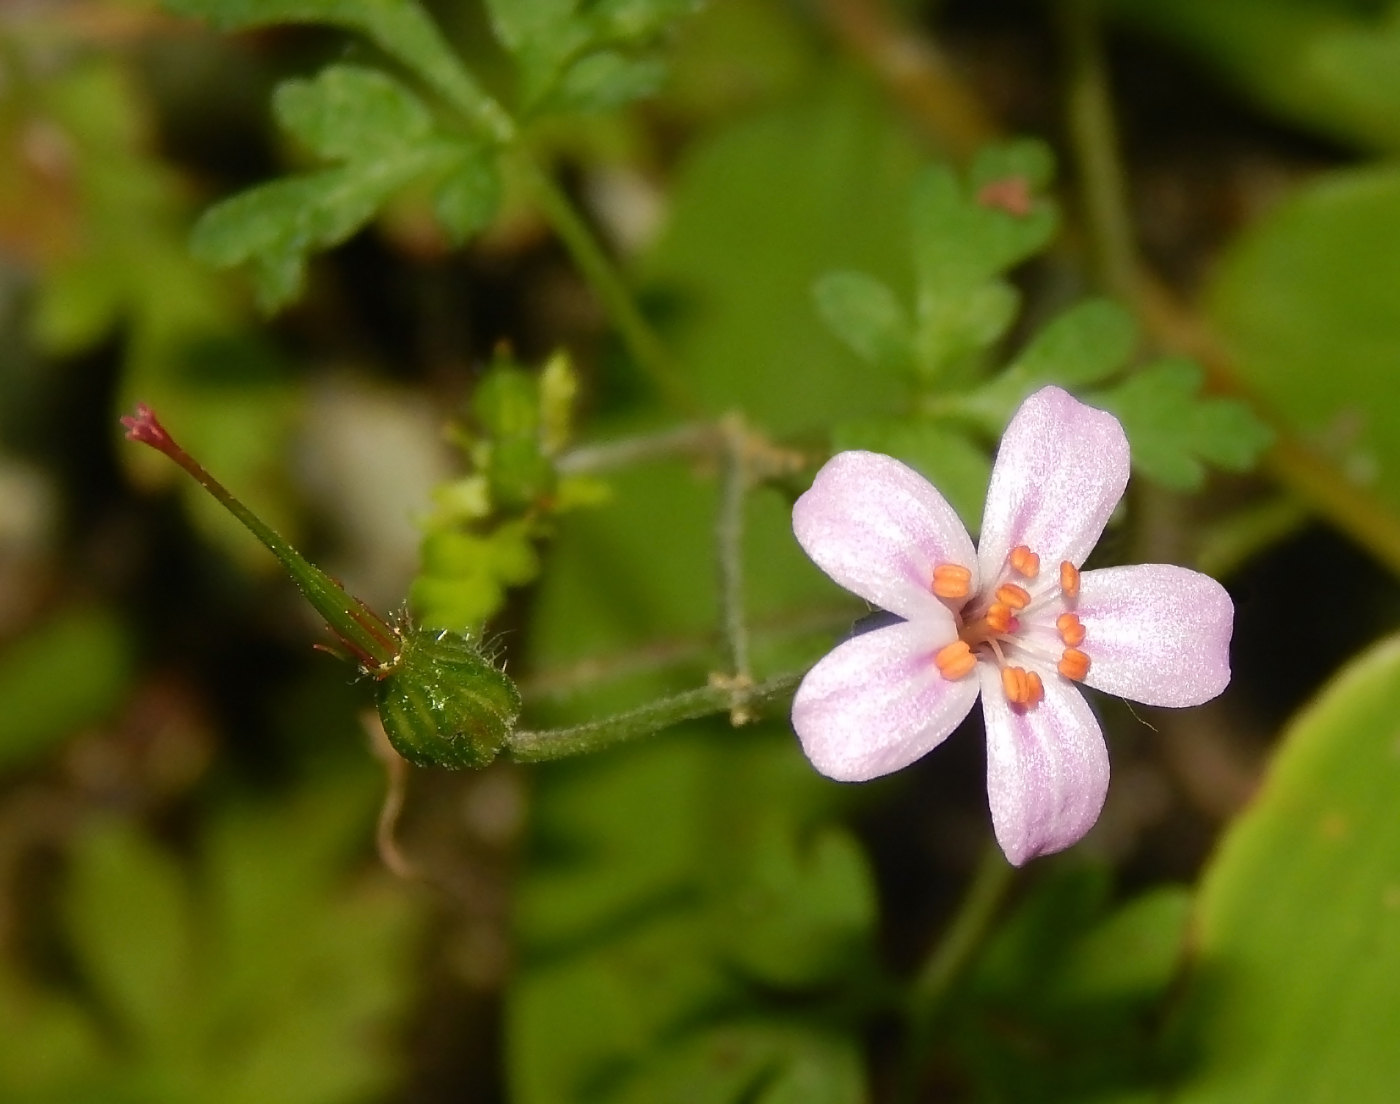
[{"x": 384, "y": 138}]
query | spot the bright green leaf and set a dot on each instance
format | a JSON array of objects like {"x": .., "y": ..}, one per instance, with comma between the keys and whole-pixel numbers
[
  {"x": 1173, "y": 430},
  {"x": 606, "y": 80},
  {"x": 467, "y": 200},
  {"x": 1297, "y": 934},
  {"x": 277, "y": 225},
  {"x": 867, "y": 316},
  {"x": 351, "y": 113},
  {"x": 1085, "y": 344}
]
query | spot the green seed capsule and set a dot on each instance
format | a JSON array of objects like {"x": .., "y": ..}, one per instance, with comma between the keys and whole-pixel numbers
[{"x": 446, "y": 704}]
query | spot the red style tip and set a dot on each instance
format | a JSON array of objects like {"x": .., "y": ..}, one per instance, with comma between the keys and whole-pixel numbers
[
  {"x": 145, "y": 427},
  {"x": 1012, "y": 195}
]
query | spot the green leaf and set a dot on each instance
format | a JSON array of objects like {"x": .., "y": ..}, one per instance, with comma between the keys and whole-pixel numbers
[
  {"x": 960, "y": 240},
  {"x": 606, "y": 80},
  {"x": 400, "y": 27},
  {"x": 1085, "y": 344},
  {"x": 1297, "y": 933},
  {"x": 1173, "y": 431},
  {"x": 464, "y": 577},
  {"x": 467, "y": 200},
  {"x": 964, "y": 238},
  {"x": 801, "y": 909},
  {"x": 820, "y": 183},
  {"x": 866, "y": 315},
  {"x": 71, "y": 671},
  {"x": 1329, "y": 65},
  {"x": 351, "y": 113},
  {"x": 1309, "y": 301},
  {"x": 942, "y": 454},
  {"x": 1063, "y": 1004},
  {"x": 277, "y": 225},
  {"x": 132, "y": 927}
]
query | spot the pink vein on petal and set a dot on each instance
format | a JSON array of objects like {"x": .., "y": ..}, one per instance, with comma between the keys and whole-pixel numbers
[
  {"x": 1061, "y": 469},
  {"x": 877, "y": 702},
  {"x": 1156, "y": 633},
  {"x": 879, "y": 529},
  {"x": 1047, "y": 767}
]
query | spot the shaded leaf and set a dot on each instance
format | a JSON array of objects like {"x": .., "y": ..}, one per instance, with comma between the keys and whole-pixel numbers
[
  {"x": 70, "y": 671},
  {"x": 1309, "y": 300}
]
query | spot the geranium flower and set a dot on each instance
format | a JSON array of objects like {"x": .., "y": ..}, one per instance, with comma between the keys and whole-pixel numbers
[{"x": 1014, "y": 620}]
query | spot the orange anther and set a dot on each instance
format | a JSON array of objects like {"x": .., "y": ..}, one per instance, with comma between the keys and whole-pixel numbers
[
  {"x": 1071, "y": 630},
  {"x": 1016, "y": 685},
  {"x": 955, "y": 661},
  {"x": 1069, "y": 579},
  {"x": 1037, "y": 688},
  {"x": 1025, "y": 562},
  {"x": 999, "y": 617},
  {"x": 951, "y": 581},
  {"x": 1012, "y": 595},
  {"x": 1074, "y": 664}
]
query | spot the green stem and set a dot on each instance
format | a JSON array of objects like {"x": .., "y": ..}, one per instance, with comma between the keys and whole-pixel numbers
[
  {"x": 691, "y": 439},
  {"x": 374, "y": 643},
  {"x": 1094, "y": 136},
  {"x": 645, "y": 720},
  {"x": 729, "y": 543},
  {"x": 952, "y": 955},
  {"x": 597, "y": 267}
]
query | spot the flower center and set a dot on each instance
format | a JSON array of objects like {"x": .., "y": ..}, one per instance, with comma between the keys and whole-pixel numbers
[{"x": 1018, "y": 615}]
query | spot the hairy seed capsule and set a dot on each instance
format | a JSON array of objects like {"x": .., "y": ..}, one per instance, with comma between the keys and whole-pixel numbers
[{"x": 446, "y": 704}]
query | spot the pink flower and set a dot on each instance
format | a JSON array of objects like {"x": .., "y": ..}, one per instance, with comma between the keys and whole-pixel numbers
[{"x": 1013, "y": 620}]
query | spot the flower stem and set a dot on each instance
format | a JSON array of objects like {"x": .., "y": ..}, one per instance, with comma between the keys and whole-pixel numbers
[
  {"x": 729, "y": 542},
  {"x": 368, "y": 637},
  {"x": 1094, "y": 136},
  {"x": 597, "y": 267},
  {"x": 691, "y": 439},
  {"x": 645, "y": 720},
  {"x": 953, "y": 953}
]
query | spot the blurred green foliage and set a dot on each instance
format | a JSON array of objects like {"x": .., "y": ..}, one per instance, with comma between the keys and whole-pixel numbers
[
  {"x": 260, "y": 973},
  {"x": 699, "y": 917},
  {"x": 1294, "y": 960}
]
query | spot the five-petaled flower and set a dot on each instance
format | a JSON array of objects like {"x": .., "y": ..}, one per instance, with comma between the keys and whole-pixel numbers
[{"x": 1014, "y": 619}]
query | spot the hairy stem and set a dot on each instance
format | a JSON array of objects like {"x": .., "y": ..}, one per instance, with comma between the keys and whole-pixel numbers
[
  {"x": 645, "y": 720},
  {"x": 691, "y": 439},
  {"x": 729, "y": 543},
  {"x": 602, "y": 275}
]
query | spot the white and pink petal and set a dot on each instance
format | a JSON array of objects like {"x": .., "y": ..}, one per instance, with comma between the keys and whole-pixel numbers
[
  {"x": 879, "y": 529},
  {"x": 877, "y": 703},
  {"x": 1059, "y": 473},
  {"x": 1156, "y": 633},
  {"x": 1047, "y": 767}
]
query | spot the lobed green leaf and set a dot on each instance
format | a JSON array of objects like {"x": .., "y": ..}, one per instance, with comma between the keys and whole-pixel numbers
[
  {"x": 1174, "y": 431},
  {"x": 867, "y": 316}
]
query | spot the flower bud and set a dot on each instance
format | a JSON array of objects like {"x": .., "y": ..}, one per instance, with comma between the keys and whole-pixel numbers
[{"x": 445, "y": 703}]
